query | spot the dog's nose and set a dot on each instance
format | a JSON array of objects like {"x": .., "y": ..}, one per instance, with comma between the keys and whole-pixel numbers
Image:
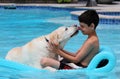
[
  {"x": 79, "y": 28},
  {"x": 75, "y": 25}
]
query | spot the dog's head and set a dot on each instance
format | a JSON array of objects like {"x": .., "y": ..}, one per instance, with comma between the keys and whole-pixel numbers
[{"x": 63, "y": 34}]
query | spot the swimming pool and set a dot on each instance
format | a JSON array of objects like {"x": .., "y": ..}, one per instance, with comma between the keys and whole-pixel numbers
[{"x": 19, "y": 26}]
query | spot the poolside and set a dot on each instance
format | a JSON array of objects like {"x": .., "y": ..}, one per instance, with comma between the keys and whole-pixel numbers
[
  {"x": 76, "y": 6},
  {"x": 100, "y": 8}
]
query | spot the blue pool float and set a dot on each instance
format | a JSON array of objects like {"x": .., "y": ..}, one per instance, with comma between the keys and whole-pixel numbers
[{"x": 104, "y": 53}]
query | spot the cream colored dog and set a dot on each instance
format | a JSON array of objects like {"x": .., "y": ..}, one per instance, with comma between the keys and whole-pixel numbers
[{"x": 32, "y": 52}]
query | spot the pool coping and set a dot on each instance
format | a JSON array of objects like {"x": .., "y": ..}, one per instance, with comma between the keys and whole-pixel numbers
[{"x": 102, "y": 16}]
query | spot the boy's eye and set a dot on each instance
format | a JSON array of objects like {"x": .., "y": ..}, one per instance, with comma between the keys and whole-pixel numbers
[
  {"x": 81, "y": 26},
  {"x": 66, "y": 29}
]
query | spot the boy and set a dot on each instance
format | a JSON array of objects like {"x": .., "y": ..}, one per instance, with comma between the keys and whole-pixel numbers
[{"x": 88, "y": 23}]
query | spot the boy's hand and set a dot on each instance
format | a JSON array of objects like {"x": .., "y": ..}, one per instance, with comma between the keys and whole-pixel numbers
[{"x": 53, "y": 47}]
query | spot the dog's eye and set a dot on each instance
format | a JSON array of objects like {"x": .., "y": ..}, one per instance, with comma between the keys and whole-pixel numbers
[{"x": 66, "y": 29}]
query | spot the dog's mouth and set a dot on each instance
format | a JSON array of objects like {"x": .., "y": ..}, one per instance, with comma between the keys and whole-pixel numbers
[{"x": 76, "y": 32}]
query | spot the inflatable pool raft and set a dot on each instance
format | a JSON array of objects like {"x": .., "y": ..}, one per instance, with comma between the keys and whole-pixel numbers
[{"x": 105, "y": 53}]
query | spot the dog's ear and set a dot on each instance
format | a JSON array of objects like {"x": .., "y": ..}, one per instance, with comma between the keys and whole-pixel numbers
[{"x": 54, "y": 37}]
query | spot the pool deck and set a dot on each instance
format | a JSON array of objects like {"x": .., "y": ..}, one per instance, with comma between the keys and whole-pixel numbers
[{"x": 115, "y": 7}]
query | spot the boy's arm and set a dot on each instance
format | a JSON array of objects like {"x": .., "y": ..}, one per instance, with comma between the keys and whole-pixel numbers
[
  {"x": 84, "y": 51},
  {"x": 69, "y": 53}
]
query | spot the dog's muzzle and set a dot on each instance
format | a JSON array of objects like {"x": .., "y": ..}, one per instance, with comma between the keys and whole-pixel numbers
[{"x": 76, "y": 32}]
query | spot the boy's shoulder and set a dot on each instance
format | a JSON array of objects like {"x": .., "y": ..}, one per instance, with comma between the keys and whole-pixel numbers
[{"x": 93, "y": 40}]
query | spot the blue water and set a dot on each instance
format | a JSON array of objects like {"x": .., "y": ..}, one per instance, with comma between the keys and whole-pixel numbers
[{"x": 17, "y": 27}]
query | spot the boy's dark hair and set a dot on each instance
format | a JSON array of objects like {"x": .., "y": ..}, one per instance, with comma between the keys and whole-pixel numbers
[{"x": 88, "y": 17}]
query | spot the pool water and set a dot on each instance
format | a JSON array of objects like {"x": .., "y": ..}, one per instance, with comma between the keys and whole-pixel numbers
[{"x": 17, "y": 27}]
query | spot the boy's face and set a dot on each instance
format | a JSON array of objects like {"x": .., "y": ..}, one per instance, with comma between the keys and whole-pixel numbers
[{"x": 85, "y": 29}]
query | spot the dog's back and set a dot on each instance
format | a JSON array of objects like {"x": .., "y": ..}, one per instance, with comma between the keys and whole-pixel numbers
[
  {"x": 14, "y": 54},
  {"x": 30, "y": 53}
]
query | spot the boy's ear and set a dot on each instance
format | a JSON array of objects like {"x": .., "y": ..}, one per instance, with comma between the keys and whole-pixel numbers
[{"x": 92, "y": 25}]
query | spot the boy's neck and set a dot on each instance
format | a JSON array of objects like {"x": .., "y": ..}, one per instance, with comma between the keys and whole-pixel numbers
[{"x": 92, "y": 34}]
